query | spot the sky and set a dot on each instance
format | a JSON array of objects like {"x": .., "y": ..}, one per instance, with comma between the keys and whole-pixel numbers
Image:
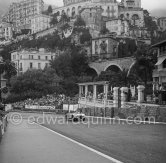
[{"x": 146, "y": 4}]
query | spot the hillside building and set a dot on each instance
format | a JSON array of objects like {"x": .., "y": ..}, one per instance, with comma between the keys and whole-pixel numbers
[
  {"x": 118, "y": 26},
  {"x": 20, "y": 13},
  {"x": 40, "y": 22},
  {"x": 159, "y": 74},
  {"x": 162, "y": 23},
  {"x": 6, "y": 32},
  {"x": 28, "y": 60},
  {"x": 73, "y": 8}
]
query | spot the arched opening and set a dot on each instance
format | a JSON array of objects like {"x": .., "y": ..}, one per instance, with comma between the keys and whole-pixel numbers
[
  {"x": 79, "y": 9},
  {"x": 122, "y": 16},
  {"x": 135, "y": 19},
  {"x": 63, "y": 12},
  {"x": 91, "y": 73},
  {"x": 164, "y": 64},
  {"x": 68, "y": 12},
  {"x": 113, "y": 68},
  {"x": 73, "y": 12},
  {"x": 132, "y": 68},
  {"x": 108, "y": 72}
]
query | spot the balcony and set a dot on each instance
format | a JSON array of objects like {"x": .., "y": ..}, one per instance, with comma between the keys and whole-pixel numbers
[{"x": 101, "y": 103}]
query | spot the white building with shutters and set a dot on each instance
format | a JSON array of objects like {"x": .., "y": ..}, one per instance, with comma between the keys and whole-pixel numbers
[{"x": 28, "y": 60}]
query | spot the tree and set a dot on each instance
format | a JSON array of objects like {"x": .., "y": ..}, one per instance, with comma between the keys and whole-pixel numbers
[
  {"x": 150, "y": 24},
  {"x": 64, "y": 19},
  {"x": 36, "y": 83},
  {"x": 70, "y": 65},
  {"x": 104, "y": 31},
  {"x": 49, "y": 10},
  {"x": 79, "y": 22},
  {"x": 120, "y": 79},
  {"x": 145, "y": 63},
  {"x": 54, "y": 20},
  {"x": 62, "y": 65},
  {"x": 10, "y": 70}
]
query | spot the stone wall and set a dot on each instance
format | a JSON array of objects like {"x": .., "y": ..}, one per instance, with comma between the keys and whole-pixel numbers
[{"x": 141, "y": 112}]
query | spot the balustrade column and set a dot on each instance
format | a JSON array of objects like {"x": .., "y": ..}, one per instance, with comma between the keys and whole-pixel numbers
[
  {"x": 80, "y": 90},
  {"x": 124, "y": 93},
  {"x": 106, "y": 91},
  {"x": 116, "y": 96},
  {"x": 94, "y": 92},
  {"x": 141, "y": 89}
]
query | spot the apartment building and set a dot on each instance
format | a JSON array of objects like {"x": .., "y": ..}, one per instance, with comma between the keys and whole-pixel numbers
[
  {"x": 118, "y": 26},
  {"x": 159, "y": 74},
  {"x": 6, "y": 31},
  {"x": 40, "y": 22},
  {"x": 162, "y": 23},
  {"x": 32, "y": 59},
  {"x": 20, "y": 13}
]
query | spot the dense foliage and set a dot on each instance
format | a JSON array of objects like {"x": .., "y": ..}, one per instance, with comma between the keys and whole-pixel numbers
[{"x": 33, "y": 84}]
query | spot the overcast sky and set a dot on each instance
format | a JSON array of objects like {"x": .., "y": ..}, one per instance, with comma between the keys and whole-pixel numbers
[{"x": 146, "y": 4}]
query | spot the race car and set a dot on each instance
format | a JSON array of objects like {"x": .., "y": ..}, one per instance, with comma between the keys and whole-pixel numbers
[{"x": 76, "y": 116}]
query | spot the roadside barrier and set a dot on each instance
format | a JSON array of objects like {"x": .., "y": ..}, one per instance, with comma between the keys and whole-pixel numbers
[{"x": 3, "y": 125}]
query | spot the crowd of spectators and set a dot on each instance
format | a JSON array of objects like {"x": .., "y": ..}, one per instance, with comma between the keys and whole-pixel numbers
[{"x": 49, "y": 100}]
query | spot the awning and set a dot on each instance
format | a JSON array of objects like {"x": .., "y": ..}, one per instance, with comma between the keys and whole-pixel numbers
[{"x": 160, "y": 60}]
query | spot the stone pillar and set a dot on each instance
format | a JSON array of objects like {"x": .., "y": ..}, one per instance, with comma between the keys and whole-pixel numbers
[
  {"x": 86, "y": 90},
  {"x": 106, "y": 91},
  {"x": 116, "y": 89},
  {"x": 124, "y": 91},
  {"x": 141, "y": 89},
  {"x": 94, "y": 92},
  {"x": 80, "y": 90}
]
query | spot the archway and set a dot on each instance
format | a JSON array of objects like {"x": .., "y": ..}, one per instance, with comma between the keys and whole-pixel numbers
[
  {"x": 113, "y": 67},
  {"x": 63, "y": 12},
  {"x": 79, "y": 9},
  {"x": 68, "y": 12},
  {"x": 130, "y": 69},
  {"x": 135, "y": 18},
  {"x": 73, "y": 12},
  {"x": 91, "y": 73}
]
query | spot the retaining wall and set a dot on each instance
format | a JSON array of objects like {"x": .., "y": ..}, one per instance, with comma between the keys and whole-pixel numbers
[{"x": 142, "y": 111}]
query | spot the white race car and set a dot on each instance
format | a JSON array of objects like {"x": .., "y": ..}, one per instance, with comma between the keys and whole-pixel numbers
[{"x": 76, "y": 116}]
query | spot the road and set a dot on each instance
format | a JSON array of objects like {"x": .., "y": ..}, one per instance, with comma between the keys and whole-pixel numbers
[
  {"x": 129, "y": 143},
  {"x": 31, "y": 143}
]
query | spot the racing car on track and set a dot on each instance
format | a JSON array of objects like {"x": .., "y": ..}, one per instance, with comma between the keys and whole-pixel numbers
[{"x": 76, "y": 116}]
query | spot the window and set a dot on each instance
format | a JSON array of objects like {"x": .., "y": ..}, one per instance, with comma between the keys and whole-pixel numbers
[
  {"x": 46, "y": 57},
  {"x": 164, "y": 64},
  {"x": 31, "y": 65},
  {"x": 30, "y": 56},
  {"x": 52, "y": 58},
  {"x": 39, "y": 57},
  {"x": 20, "y": 66},
  {"x": 46, "y": 65},
  {"x": 39, "y": 65}
]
